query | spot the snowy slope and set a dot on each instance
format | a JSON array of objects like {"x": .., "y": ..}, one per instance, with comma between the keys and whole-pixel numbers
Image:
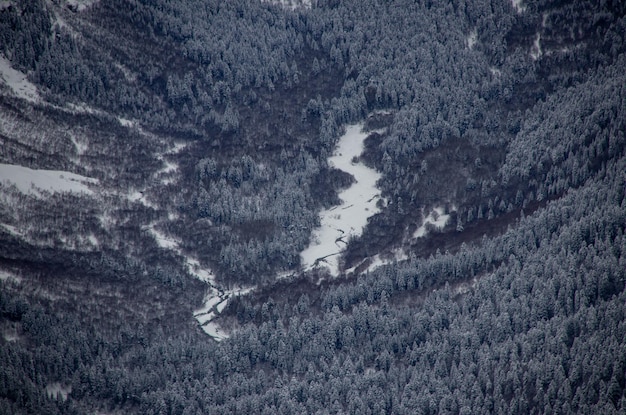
[{"x": 33, "y": 181}]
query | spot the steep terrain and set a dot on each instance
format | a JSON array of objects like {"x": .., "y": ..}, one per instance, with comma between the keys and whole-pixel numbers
[{"x": 385, "y": 207}]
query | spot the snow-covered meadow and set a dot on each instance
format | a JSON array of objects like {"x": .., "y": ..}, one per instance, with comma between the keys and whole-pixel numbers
[
  {"x": 359, "y": 202},
  {"x": 30, "y": 181},
  {"x": 17, "y": 81}
]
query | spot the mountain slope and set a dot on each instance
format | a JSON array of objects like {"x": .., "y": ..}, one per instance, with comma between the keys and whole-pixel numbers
[{"x": 180, "y": 155}]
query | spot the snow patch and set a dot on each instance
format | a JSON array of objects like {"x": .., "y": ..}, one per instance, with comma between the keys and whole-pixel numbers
[
  {"x": 58, "y": 391},
  {"x": 93, "y": 240},
  {"x": 30, "y": 181},
  {"x": 81, "y": 147},
  {"x": 177, "y": 148},
  {"x": 358, "y": 203},
  {"x": 11, "y": 230},
  {"x": 535, "y": 50},
  {"x": 213, "y": 330},
  {"x": 379, "y": 260},
  {"x": 436, "y": 218},
  {"x": 291, "y": 4},
  {"x": 472, "y": 39},
  {"x": 5, "y": 4},
  {"x": 81, "y": 5},
  {"x": 162, "y": 240},
  {"x": 138, "y": 196},
  {"x": 10, "y": 336},
  {"x": 518, "y": 6},
  {"x": 125, "y": 122},
  {"x": 17, "y": 81},
  {"x": 7, "y": 276}
]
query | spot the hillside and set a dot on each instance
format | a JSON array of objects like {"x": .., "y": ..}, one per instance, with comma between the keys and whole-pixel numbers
[{"x": 312, "y": 207}]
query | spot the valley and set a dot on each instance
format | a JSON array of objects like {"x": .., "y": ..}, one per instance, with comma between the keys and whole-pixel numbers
[{"x": 321, "y": 207}]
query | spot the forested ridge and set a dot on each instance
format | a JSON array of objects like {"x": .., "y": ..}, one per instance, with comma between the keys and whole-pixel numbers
[{"x": 203, "y": 130}]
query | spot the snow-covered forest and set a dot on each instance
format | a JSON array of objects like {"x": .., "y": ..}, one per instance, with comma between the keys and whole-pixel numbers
[{"x": 324, "y": 207}]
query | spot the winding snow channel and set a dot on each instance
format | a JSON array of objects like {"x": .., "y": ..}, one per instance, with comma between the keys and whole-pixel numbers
[{"x": 358, "y": 203}]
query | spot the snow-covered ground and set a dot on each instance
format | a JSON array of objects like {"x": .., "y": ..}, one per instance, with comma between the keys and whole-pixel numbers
[
  {"x": 17, "y": 81},
  {"x": 32, "y": 181},
  {"x": 436, "y": 218},
  {"x": 347, "y": 220}
]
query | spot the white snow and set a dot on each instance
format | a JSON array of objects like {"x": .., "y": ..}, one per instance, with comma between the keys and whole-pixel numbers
[
  {"x": 347, "y": 220},
  {"x": 213, "y": 330},
  {"x": 56, "y": 391},
  {"x": 7, "y": 276},
  {"x": 93, "y": 240},
  {"x": 291, "y": 4},
  {"x": 435, "y": 218},
  {"x": 82, "y": 109},
  {"x": 17, "y": 81},
  {"x": 81, "y": 5},
  {"x": 472, "y": 39},
  {"x": 31, "y": 181},
  {"x": 162, "y": 240},
  {"x": 12, "y": 230},
  {"x": 81, "y": 147},
  {"x": 125, "y": 122},
  {"x": 4, "y": 4},
  {"x": 535, "y": 50},
  {"x": 10, "y": 336},
  {"x": 518, "y": 6},
  {"x": 176, "y": 148},
  {"x": 138, "y": 196}
]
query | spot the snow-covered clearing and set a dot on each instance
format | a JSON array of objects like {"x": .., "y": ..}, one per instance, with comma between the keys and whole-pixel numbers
[
  {"x": 347, "y": 220},
  {"x": 17, "y": 81},
  {"x": 436, "y": 218},
  {"x": 32, "y": 181}
]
